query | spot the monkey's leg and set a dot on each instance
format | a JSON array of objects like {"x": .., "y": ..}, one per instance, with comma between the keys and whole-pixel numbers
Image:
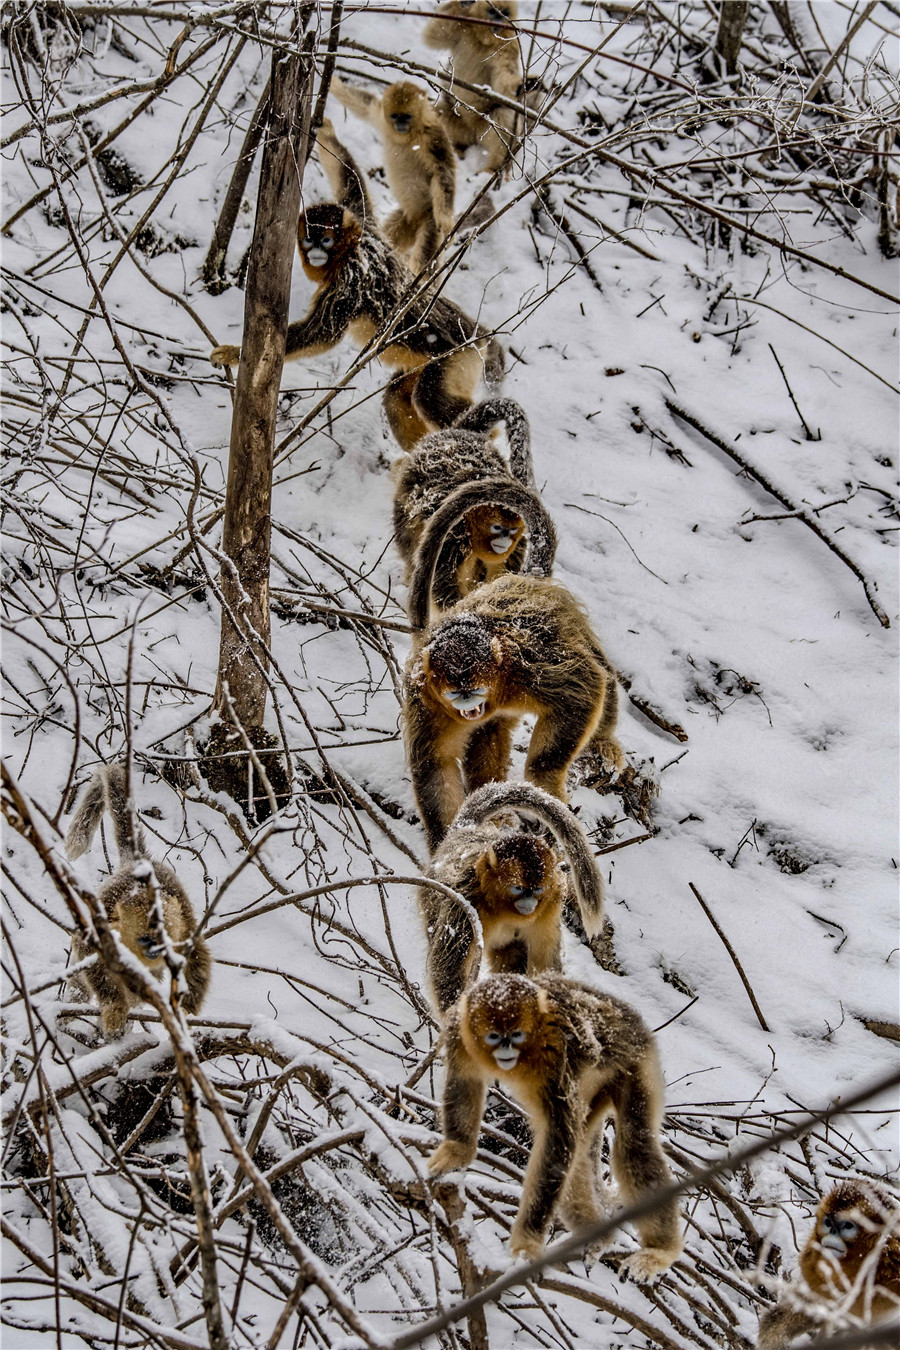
[
  {"x": 604, "y": 741},
  {"x": 405, "y": 422},
  {"x": 548, "y": 1167},
  {"x": 640, "y": 1167},
  {"x": 115, "y": 1015},
  {"x": 400, "y": 230},
  {"x": 560, "y": 732},
  {"x": 581, "y": 1202},
  {"x": 545, "y": 942},
  {"x": 437, "y": 781},
  {"x": 511, "y": 959},
  {"x": 445, "y": 388},
  {"x": 463, "y": 1108},
  {"x": 196, "y": 973},
  {"x": 451, "y": 952},
  {"x": 488, "y": 753}
]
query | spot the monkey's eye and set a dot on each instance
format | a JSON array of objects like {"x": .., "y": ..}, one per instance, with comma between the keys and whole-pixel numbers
[
  {"x": 493, "y": 1038},
  {"x": 498, "y": 529},
  {"x": 847, "y": 1230},
  {"x": 517, "y": 1037},
  {"x": 517, "y": 890}
]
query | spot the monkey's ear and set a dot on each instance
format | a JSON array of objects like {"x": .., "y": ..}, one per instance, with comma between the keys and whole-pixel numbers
[
  {"x": 497, "y": 650},
  {"x": 490, "y": 858}
]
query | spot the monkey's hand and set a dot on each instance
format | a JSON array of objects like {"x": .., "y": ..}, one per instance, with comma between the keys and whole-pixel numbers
[
  {"x": 226, "y": 355},
  {"x": 646, "y": 1265},
  {"x": 450, "y": 1156},
  {"x": 524, "y": 1243}
]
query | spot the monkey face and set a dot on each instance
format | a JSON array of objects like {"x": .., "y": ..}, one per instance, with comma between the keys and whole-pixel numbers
[
  {"x": 503, "y": 13},
  {"x": 520, "y": 873},
  {"x": 319, "y": 234},
  {"x": 400, "y": 106},
  {"x": 850, "y": 1222},
  {"x": 836, "y": 1233},
  {"x": 494, "y": 531},
  {"x": 462, "y": 662},
  {"x": 503, "y": 1015},
  {"x": 139, "y": 933}
]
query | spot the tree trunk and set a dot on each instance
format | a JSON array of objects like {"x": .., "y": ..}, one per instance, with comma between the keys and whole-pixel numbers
[
  {"x": 241, "y": 689},
  {"x": 732, "y": 17}
]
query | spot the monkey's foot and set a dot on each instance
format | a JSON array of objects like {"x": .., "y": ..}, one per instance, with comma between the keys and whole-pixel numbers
[
  {"x": 114, "y": 1021},
  {"x": 450, "y": 1156},
  {"x": 226, "y": 355},
  {"x": 646, "y": 1265},
  {"x": 524, "y": 1244},
  {"x": 611, "y": 751}
]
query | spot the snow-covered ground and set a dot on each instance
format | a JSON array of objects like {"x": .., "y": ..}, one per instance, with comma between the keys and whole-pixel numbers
[{"x": 734, "y": 621}]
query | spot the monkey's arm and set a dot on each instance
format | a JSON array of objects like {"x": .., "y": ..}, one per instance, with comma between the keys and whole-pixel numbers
[
  {"x": 548, "y": 1166},
  {"x": 325, "y": 324},
  {"x": 362, "y": 102},
  {"x": 443, "y": 181},
  {"x": 560, "y": 732},
  {"x": 344, "y": 175},
  {"x": 321, "y": 330},
  {"x": 463, "y": 1108}
]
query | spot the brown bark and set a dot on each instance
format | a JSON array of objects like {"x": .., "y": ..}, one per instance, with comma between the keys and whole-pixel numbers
[
  {"x": 732, "y": 17},
  {"x": 247, "y": 527}
]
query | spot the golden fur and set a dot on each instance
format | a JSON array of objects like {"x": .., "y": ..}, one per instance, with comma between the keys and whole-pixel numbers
[
  {"x": 858, "y": 1275},
  {"x": 134, "y": 897},
  {"x": 527, "y": 643},
  {"x": 360, "y": 279},
  {"x": 419, "y": 161},
  {"x": 482, "y": 53},
  {"x": 512, "y": 877},
  {"x": 572, "y": 1057}
]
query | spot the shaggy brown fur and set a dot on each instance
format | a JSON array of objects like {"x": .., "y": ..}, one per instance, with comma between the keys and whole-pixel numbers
[
  {"x": 572, "y": 1057},
  {"x": 440, "y": 352},
  {"x": 419, "y": 162},
  {"x": 516, "y": 645},
  {"x": 461, "y": 515},
  {"x": 513, "y": 879},
  {"x": 483, "y": 54},
  {"x": 130, "y": 898},
  {"x": 851, "y": 1261}
]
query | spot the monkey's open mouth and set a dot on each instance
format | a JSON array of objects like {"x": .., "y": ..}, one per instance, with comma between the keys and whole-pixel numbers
[
  {"x": 502, "y": 543},
  {"x": 469, "y": 703}
]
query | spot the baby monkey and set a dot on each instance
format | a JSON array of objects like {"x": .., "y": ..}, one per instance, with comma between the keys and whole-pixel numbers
[
  {"x": 514, "y": 880},
  {"x": 572, "y": 1056},
  {"x": 134, "y": 897},
  {"x": 419, "y": 162},
  {"x": 490, "y": 538},
  {"x": 851, "y": 1260}
]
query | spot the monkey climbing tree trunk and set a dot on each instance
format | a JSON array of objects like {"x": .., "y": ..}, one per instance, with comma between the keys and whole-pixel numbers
[
  {"x": 241, "y": 688},
  {"x": 732, "y": 17}
]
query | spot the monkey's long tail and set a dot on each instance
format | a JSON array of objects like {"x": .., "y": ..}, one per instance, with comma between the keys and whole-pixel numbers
[
  {"x": 487, "y": 801},
  {"x": 514, "y": 496},
  {"x": 484, "y": 416},
  {"x": 106, "y": 791}
]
